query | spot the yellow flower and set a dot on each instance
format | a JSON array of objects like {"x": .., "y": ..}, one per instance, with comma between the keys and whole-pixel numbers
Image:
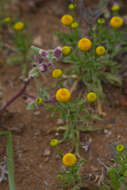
[
  {"x": 84, "y": 44},
  {"x": 91, "y": 97},
  {"x": 120, "y": 147},
  {"x": 101, "y": 21},
  {"x": 66, "y": 50},
  {"x": 63, "y": 95},
  {"x": 116, "y": 22},
  {"x": 67, "y": 20},
  {"x": 57, "y": 73},
  {"x": 100, "y": 50},
  {"x": 54, "y": 142},
  {"x": 74, "y": 25},
  {"x": 19, "y": 26},
  {"x": 39, "y": 101},
  {"x": 71, "y": 6},
  {"x": 115, "y": 7},
  {"x": 7, "y": 19},
  {"x": 69, "y": 159}
]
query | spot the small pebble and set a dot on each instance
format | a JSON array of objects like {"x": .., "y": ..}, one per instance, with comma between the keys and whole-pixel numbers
[
  {"x": 109, "y": 126},
  {"x": 47, "y": 152},
  {"x": 37, "y": 113},
  {"x": 60, "y": 121},
  {"x": 112, "y": 121},
  {"x": 56, "y": 134},
  {"x": 46, "y": 159}
]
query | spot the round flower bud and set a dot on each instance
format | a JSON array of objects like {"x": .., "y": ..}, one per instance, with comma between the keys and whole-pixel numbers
[
  {"x": 91, "y": 97},
  {"x": 39, "y": 101},
  {"x": 120, "y": 147},
  {"x": 66, "y": 50},
  {"x": 71, "y": 6},
  {"x": 74, "y": 25},
  {"x": 19, "y": 26},
  {"x": 54, "y": 142},
  {"x": 115, "y": 7},
  {"x": 57, "y": 73},
  {"x": 100, "y": 50},
  {"x": 7, "y": 19},
  {"x": 101, "y": 21}
]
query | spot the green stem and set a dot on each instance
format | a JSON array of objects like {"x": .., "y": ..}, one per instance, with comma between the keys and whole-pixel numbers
[
  {"x": 24, "y": 67},
  {"x": 77, "y": 143}
]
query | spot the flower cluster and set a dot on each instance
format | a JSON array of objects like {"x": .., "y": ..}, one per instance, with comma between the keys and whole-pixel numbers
[{"x": 45, "y": 58}]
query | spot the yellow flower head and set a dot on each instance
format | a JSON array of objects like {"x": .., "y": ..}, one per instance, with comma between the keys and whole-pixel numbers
[
  {"x": 54, "y": 142},
  {"x": 7, "y": 19},
  {"x": 63, "y": 95},
  {"x": 74, "y": 25},
  {"x": 67, "y": 20},
  {"x": 115, "y": 7},
  {"x": 57, "y": 73},
  {"x": 120, "y": 147},
  {"x": 69, "y": 159},
  {"x": 66, "y": 50},
  {"x": 84, "y": 44},
  {"x": 91, "y": 97},
  {"x": 116, "y": 22},
  {"x": 101, "y": 21},
  {"x": 19, "y": 26},
  {"x": 71, "y": 6},
  {"x": 39, "y": 101},
  {"x": 100, "y": 50}
]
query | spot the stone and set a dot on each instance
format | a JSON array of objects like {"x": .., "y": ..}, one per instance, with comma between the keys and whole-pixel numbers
[
  {"x": 60, "y": 121},
  {"x": 47, "y": 152},
  {"x": 37, "y": 41}
]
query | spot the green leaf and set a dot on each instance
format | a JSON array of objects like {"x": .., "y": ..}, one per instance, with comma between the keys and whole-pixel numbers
[
  {"x": 11, "y": 60},
  {"x": 44, "y": 93},
  {"x": 89, "y": 128},
  {"x": 88, "y": 116},
  {"x": 113, "y": 79},
  {"x": 35, "y": 50},
  {"x": 34, "y": 73},
  {"x": 31, "y": 106},
  {"x": 10, "y": 161}
]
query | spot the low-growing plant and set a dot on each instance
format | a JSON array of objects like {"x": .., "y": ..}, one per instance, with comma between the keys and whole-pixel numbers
[
  {"x": 93, "y": 58},
  {"x": 74, "y": 113},
  {"x": 69, "y": 176},
  {"x": 22, "y": 40},
  {"x": 117, "y": 173}
]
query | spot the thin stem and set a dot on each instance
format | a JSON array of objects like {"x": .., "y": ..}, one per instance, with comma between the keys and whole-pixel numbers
[
  {"x": 24, "y": 66},
  {"x": 29, "y": 96},
  {"x": 77, "y": 143},
  {"x": 102, "y": 164},
  {"x": 20, "y": 93}
]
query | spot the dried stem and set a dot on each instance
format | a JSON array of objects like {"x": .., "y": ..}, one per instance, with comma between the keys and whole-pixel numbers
[{"x": 20, "y": 93}]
